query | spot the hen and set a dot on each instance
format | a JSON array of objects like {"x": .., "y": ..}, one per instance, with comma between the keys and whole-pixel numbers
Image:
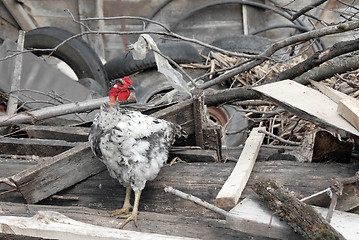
[{"x": 133, "y": 146}]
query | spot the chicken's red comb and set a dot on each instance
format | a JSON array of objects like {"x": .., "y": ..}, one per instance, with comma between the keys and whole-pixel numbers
[{"x": 127, "y": 81}]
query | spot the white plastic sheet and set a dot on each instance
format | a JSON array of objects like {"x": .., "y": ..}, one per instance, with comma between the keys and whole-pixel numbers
[{"x": 144, "y": 44}]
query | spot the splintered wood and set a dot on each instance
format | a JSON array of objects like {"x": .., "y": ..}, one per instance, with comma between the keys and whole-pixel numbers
[
  {"x": 61, "y": 172},
  {"x": 233, "y": 187}
]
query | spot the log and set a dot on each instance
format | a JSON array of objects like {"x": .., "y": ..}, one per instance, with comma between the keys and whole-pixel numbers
[
  {"x": 301, "y": 217},
  {"x": 60, "y": 172}
]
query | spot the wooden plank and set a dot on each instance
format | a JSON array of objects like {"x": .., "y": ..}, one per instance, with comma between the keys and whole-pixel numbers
[
  {"x": 55, "y": 225},
  {"x": 37, "y": 147},
  {"x": 203, "y": 180},
  {"x": 61, "y": 172},
  {"x": 349, "y": 110},
  {"x": 148, "y": 222},
  {"x": 331, "y": 93},
  {"x": 253, "y": 217},
  {"x": 233, "y": 187},
  {"x": 307, "y": 103},
  {"x": 70, "y": 134}
]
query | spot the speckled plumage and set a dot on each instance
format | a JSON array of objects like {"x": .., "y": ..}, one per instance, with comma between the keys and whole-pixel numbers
[{"x": 133, "y": 146}]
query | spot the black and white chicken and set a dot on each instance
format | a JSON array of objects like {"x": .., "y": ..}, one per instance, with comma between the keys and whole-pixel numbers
[{"x": 132, "y": 145}]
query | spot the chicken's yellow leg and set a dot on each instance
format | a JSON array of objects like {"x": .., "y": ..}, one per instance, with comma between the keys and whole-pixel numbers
[
  {"x": 133, "y": 215},
  {"x": 126, "y": 205}
]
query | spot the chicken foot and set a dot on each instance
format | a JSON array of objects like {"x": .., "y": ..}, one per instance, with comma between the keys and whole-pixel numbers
[
  {"x": 126, "y": 205},
  {"x": 133, "y": 215}
]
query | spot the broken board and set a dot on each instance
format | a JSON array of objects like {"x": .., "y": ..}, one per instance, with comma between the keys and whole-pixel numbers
[
  {"x": 58, "y": 173},
  {"x": 232, "y": 189},
  {"x": 307, "y": 103}
]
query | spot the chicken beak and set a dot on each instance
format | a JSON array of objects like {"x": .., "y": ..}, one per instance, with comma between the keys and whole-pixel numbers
[{"x": 131, "y": 88}]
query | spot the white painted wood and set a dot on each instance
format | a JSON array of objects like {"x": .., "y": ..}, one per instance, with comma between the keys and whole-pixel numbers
[
  {"x": 307, "y": 103},
  {"x": 349, "y": 110},
  {"x": 49, "y": 224},
  {"x": 252, "y": 216},
  {"x": 233, "y": 187},
  {"x": 331, "y": 93}
]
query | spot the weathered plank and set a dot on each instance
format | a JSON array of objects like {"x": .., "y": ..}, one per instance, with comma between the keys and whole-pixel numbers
[
  {"x": 299, "y": 100},
  {"x": 349, "y": 110},
  {"x": 203, "y": 180},
  {"x": 149, "y": 222},
  {"x": 38, "y": 147},
  {"x": 70, "y": 134},
  {"x": 61, "y": 172},
  {"x": 233, "y": 187},
  {"x": 55, "y": 225}
]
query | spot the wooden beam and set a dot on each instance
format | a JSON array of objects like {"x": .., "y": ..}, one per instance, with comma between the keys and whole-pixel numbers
[
  {"x": 232, "y": 189},
  {"x": 349, "y": 110},
  {"x": 60, "y": 172}
]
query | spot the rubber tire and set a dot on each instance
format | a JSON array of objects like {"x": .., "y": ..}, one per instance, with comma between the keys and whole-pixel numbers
[
  {"x": 249, "y": 44},
  {"x": 124, "y": 64},
  {"x": 76, "y": 53}
]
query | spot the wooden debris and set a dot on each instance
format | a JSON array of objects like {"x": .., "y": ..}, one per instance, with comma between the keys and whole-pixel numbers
[
  {"x": 333, "y": 94},
  {"x": 233, "y": 187},
  {"x": 70, "y": 134},
  {"x": 150, "y": 222},
  {"x": 61, "y": 172},
  {"x": 254, "y": 217},
  {"x": 301, "y": 217},
  {"x": 56, "y": 225},
  {"x": 199, "y": 116},
  {"x": 349, "y": 110},
  {"x": 38, "y": 147},
  {"x": 307, "y": 103},
  {"x": 328, "y": 148}
]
